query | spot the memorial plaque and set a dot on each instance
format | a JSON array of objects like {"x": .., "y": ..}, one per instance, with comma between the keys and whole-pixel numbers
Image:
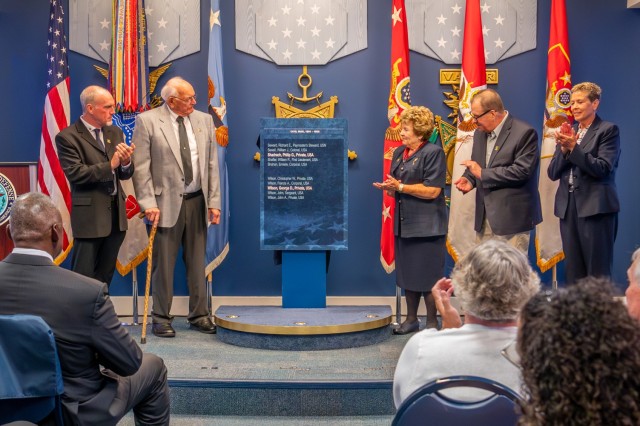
[{"x": 303, "y": 184}]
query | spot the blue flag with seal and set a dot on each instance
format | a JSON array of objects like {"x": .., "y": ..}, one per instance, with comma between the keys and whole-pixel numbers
[{"x": 218, "y": 235}]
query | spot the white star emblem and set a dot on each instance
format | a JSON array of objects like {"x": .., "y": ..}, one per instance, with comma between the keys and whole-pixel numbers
[
  {"x": 485, "y": 8},
  {"x": 272, "y": 44},
  {"x": 485, "y": 30},
  {"x": 148, "y": 11},
  {"x": 396, "y": 15},
  {"x": 214, "y": 19},
  {"x": 162, "y": 23},
  {"x": 499, "y": 20},
  {"x": 315, "y": 54},
  {"x": 455, "y": 54},
  {"x": 301, "y": 21},
  {"x": 286, "y": 54},
  {"x": 286, "y": 33},
  {"x": 286, "y": 10},
  {"x": 329, "y": 20},
  {"x": 386, "y": 213},
  {"x": 456, "y": 8},
  {"x": 104, "y": 45},
  {"x": 455, "y": 31},
  {"x": 442, "y": 42},
  {"x": 161, "y": 47},
  {"x": 315, "y": 9},
  {"x": 104, "y": 23},
  {"x": 59, "y": 75},
  {"x": 329, "y": 43},
  {"x": 301, "y": 43},
  {"x": 499, "y": 42},
  {"x": 315, "y": 32},
  {"x": 272, "y": 22},
  {"x": 441, "y": 19}
]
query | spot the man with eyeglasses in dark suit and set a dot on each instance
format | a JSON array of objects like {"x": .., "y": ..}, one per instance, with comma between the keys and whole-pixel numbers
[{"x": 504, "y": 170}]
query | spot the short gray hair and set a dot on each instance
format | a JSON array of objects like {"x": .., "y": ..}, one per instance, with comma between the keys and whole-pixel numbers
[
  {"x": 32, "y": 215},
  {"x": 88, "y": 95},
  {"x": 170, "y": 89},
  {"x": 489, "y": 100},
  {"x": 636, "y": 271},
  {"x": 494, "y": 281}
]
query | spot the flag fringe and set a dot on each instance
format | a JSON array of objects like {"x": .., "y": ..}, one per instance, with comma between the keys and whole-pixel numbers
[
  {"x": 125, "y": 269},
  {"x": 388, "y": 268},
  {"x": 217, "y": 261},
  {"x": 62, "y": 256},
  {"x": 545, "y": 265},
  {"x": 452, "y": 252},
  {"x": 392, "y": 134}
]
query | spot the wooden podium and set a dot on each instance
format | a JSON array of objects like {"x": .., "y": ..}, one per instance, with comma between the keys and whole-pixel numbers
[{"x": 15, "y": 179}]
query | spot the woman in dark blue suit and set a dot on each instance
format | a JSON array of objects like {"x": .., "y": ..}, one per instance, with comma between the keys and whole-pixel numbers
[{"x": 417, "y": 180}]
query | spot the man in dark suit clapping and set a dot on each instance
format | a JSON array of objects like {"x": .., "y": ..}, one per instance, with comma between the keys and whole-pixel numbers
[{"x": 95, "y": 157}]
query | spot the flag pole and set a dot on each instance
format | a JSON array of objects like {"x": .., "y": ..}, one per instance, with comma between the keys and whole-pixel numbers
[
  {"x": 209, "y": 292},
  {"x": 398, "y": 306}
]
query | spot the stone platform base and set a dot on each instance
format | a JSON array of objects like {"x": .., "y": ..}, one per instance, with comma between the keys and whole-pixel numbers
[{"x": 303, "y": 329}]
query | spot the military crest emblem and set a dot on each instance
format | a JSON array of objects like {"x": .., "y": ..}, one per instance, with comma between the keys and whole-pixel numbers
[{"x": 7, "y": 198}]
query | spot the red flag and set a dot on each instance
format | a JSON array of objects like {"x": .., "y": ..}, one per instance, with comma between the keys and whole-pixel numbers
[
  {"x": 461, "y": 236},
  {"x": 399, "y": 100},
  {"x": 557, "y": 111},
  {"x": 51, "y": 178}
]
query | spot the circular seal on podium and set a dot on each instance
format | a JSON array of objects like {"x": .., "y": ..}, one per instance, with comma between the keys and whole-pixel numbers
[{"x": 7, "y": 198}]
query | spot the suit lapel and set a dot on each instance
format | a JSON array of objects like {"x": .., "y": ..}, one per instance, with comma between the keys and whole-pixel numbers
[
  {"x": 197, "y": 126},
  {"x": 589, "y": 136},
  {"x": 502, "y": 138},
  {"x": 166, "y": 126},
  {"x": 88, "y": 136}
]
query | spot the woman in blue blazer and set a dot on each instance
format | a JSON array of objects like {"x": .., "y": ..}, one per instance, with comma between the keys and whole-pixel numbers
[{"x": 417, "y": 181}]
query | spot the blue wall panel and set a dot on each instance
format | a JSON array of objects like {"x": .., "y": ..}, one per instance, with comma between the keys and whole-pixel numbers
[{"x": 603, "y": 39}]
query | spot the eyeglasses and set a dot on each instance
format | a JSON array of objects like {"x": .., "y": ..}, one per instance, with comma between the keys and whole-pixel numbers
[
  {"x": 187, "y": 100},
  {"x": 477, "y": 117}
]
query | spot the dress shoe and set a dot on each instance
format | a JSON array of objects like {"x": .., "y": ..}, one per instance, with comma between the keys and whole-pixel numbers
[
  {"x": 203, "y": 325},
  {"x": 163, "y": 329},
  {"x": 407, "y": 327}
]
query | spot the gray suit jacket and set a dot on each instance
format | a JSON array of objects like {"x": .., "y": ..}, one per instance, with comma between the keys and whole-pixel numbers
[
  {"x": 508, "y": 191},
  {"x": 87, "y": 331},
  {"x": 159, "y": 178}
]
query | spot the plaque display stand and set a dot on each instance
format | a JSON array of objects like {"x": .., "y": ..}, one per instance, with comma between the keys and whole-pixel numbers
[{"x": 304, "y": 279}]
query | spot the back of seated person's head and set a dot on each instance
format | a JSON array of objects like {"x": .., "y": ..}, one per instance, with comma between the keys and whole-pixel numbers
[
  {"x": 494, "y": 281},
  {"x": 33, "y": 219},
  {"x": 580, "y": 357}
]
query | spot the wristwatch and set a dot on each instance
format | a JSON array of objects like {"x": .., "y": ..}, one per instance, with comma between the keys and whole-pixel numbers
[{"x": 401, "y": 187}]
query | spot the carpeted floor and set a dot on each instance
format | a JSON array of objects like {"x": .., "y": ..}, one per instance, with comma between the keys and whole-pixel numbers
[{"x": 193, "y": 355}]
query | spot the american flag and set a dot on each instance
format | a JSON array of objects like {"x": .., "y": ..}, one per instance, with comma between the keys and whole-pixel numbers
[{"x": 51, "y": 178}]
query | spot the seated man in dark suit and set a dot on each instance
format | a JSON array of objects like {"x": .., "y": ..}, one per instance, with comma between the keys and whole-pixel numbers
[{"x": 87, "y": 331}]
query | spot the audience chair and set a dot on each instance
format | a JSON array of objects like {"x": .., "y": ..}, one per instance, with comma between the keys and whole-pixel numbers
[
  {"x": 428, "y": 406},
  {"x": 30, "y": 376}
]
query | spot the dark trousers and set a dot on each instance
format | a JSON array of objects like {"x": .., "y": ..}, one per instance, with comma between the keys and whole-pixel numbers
[
  {"x": 96, "y": 257},
  {"x": 146, "y": 392},
  {"x": 587, "y": 243},
  {"x": 190, "y": 232}
]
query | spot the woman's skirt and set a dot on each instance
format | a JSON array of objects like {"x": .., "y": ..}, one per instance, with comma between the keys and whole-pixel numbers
[{"x": 420, "y": 262}]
